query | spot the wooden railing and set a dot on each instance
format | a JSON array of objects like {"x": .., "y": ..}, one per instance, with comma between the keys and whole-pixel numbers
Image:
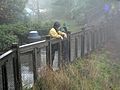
[
  {"x": 10, "y": 73},
  {"x": 38, "y": 54}
]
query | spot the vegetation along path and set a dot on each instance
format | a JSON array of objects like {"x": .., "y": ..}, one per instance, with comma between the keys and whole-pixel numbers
[{"x": 100, "y": 71}]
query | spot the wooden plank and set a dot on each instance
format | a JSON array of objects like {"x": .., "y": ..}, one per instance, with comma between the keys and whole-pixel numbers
[
  {"x": 72, "y": 48},
  {"x": 88, "y": 43},
  {"x": 60, "y": 59},
  {"x": 6, "y": 54},
  {"x": 4, "y": 77},
  {"x": 92, "y": 41},
  {"x": 1, "y": 83},
  {"x": 34, "y": 59},
  {"x": 48, "y": 53},
  {"x": 82, "y": 45},
  {"x": 17, "y": 71},
  {"x": 69, "y": 46},
  {"x": 76, "y": 47},
  {"x": 4, "y": 57},
  {"x": 31, "y": 46},
  {"x": 79, "y": 46},
  {"x": 54, "y": 41}
]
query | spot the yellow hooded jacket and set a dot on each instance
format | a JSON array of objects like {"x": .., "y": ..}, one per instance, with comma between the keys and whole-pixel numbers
[{"x": 53, "y": 33}]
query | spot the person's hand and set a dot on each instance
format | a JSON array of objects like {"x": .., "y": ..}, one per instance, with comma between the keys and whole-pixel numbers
[
  {"x": 65, "y": 35},
  {"x": 61, "y": 37}
]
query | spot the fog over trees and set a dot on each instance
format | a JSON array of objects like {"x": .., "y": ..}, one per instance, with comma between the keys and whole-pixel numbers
[{"x": 76, "y": 10}]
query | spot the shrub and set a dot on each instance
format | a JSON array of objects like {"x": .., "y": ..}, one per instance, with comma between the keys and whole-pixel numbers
[
  {"x": 95, "y": 73},
  {"x": 11, "y": 33}
]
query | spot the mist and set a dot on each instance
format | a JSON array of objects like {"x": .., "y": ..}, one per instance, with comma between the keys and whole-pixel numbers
[
  {"x": 93, "y": 28},
  {"x": 79, "y": 11}
]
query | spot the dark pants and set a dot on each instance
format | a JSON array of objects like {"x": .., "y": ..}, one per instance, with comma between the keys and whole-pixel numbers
[
  {"x": 65, "y": 50},
  {"x": 54, "y": 48}
]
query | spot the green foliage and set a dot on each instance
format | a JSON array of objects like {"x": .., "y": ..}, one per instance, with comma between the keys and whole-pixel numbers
[
  {"x": 10, "y": 34},
  {"x": 6, "y": 40},
  {"x": 18, "y": 32}
]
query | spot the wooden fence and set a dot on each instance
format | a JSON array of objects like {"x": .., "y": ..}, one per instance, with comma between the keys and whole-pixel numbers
[{"x": 38, "y": 54}]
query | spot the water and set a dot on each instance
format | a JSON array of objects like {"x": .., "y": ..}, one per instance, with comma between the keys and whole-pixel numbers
[
  {"x": 27, "y": 77},
  {"x": 27, "y": 71}
]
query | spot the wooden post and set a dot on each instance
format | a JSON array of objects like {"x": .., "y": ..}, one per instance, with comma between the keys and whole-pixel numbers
[
  {"x": 107, "y": 33},
  {"x": 98, "y": 38},
  {"x": 17, "y": 68},
  {"x": 4, "y": 77},
  {"x": 76, "y": 48},
  {"x": 101, "y": 37},
  {"x": 48, "y": 52},
  {"x": 104, "y": 33},
  {"x": 83, "y": 43},
  {"x": 92, "y": 41},
  {"x": 88, "y": 43},
  {"x": 60, "y": 55},
  {"x": 97, "y": 34},
  {"x": 69, "y": 46},
  {"x": 34, "y": 59}
]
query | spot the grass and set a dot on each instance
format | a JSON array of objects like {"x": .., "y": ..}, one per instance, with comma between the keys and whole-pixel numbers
[{"x": 95, "y": 73}]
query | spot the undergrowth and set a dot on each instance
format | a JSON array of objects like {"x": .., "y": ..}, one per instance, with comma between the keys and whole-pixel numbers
[{"x": 93, "y": 73}]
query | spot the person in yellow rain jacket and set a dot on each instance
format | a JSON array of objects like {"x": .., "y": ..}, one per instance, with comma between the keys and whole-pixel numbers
[{"x": 56, "y": 33}]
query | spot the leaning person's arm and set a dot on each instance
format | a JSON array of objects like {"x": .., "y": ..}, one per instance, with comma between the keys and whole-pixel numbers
[{"x": 62, "y": 33}]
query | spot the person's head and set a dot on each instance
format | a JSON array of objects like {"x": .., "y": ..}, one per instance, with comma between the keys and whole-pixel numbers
[{"x": 56, "y": 25}]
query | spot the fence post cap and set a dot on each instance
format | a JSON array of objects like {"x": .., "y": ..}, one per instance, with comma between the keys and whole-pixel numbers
[
  {"x": 14, "y": 45},
  {"x": 68, "y": 32},
  {"x": 47, "y": 37},
  {"x": 83, "y": 28}
]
